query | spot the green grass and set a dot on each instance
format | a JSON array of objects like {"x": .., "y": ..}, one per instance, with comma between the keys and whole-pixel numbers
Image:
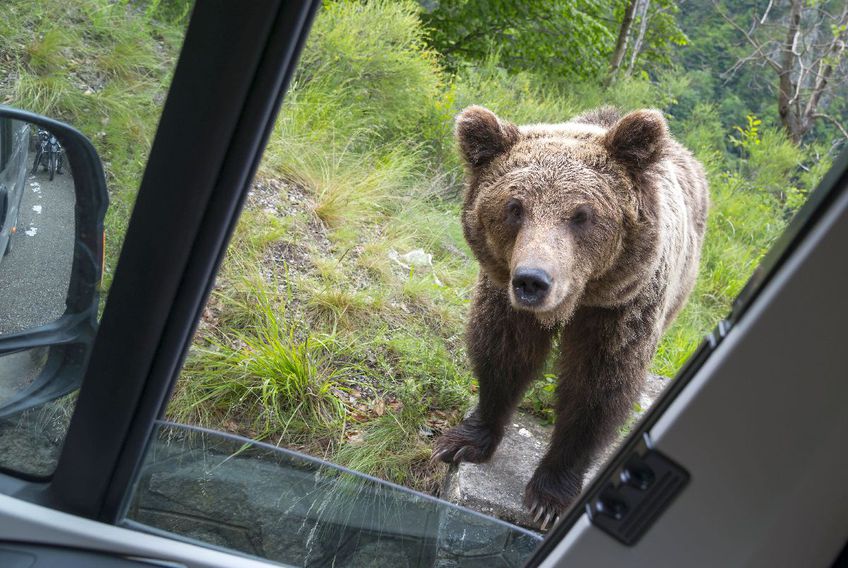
[{"x": 272, "y": 379}]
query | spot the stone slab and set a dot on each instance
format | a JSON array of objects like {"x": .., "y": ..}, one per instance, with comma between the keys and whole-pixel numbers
[{"x": 497, "y": 487}]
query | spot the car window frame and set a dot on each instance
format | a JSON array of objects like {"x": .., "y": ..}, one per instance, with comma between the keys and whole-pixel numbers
[{"x": 177, "y": 237}]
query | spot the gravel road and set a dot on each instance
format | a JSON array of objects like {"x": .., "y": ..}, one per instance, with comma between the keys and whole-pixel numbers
[{"x": 34, "y": 276}]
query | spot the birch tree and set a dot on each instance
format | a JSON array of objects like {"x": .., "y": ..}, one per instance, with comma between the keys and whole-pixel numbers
[
  {"x": 804, "y": 44},
  {"x": 623, "y": 38}
]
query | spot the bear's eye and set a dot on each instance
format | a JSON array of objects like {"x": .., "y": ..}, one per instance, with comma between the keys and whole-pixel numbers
[
  {"x": 581, "y": 215},
  {"x": 514, "y": 211}
]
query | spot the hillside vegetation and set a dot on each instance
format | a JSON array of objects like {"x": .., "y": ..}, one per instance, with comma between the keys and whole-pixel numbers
[{"x": 323, "y": 334}]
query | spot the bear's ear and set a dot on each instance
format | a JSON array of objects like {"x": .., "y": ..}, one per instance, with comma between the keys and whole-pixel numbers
[
  {"x": 483, "y": 136},
  {"x": 638, "y": 139}
]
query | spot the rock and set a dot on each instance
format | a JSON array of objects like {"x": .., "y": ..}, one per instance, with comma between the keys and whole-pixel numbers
[
  {"x": 497, "y": 487},
  {"x": 468, "y": 541},
  {"x": 417, "y": 258}
]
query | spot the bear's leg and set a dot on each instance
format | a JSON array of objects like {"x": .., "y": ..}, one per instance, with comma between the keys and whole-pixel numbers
[
  {"x": 507, "y": 349},
  {"x": 601, "y": 367}
]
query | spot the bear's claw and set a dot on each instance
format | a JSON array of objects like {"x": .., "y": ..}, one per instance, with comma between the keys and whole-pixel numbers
[
  {"x": 549, "y": 494},
  {"x": 457, "y": 457},
  {"x": 538, "y": 511},
  {"x": 470, "y": 441},
  {"x": 439, "y": 455},
  {"x": 445, "y": 455},
  {"x": 548, "y": 519}
]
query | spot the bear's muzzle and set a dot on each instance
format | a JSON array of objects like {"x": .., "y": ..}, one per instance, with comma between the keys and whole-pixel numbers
[{"x": 530, "y": 286}]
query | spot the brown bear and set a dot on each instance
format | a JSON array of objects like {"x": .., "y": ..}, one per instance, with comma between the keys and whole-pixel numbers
[{"x": 590, "y": 231}]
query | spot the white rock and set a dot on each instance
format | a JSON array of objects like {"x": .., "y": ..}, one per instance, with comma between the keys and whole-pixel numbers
[{"x": 417, "y": 258}]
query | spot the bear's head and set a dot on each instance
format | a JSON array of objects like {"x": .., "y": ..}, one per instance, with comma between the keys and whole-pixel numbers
[{"x": 563, "y": 215}]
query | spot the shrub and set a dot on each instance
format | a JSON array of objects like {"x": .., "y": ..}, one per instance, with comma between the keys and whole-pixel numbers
[{"x": 372, "y": 59}]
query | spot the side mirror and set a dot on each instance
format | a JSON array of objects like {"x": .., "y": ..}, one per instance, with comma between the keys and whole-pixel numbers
[{"x": 53, "y": 202}]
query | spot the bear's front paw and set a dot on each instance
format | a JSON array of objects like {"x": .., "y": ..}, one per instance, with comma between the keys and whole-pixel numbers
[
  {"x": 470, "y": 441},
  {"x": 549, "y": 493}
]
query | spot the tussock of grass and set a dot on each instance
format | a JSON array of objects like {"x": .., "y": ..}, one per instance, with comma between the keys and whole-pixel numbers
[
  {"x": 351, "y": 187},
  {"x": 265, "y": 376},
  {"x": 45, "y": 52},
  {"x": 334, "y": 308}
]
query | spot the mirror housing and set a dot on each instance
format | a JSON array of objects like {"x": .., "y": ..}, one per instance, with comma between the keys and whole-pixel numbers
[{"x": 69, "y": 337}]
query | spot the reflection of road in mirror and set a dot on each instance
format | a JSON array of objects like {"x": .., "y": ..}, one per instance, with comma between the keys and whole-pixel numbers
[{"x": 34, "y": 276}]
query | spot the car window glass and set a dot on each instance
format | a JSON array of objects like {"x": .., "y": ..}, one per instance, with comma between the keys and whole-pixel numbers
[
  {"x": 338, "y": 325},
  {"x": 285, "y": 506},
  {"x": 103, "y": 68}
]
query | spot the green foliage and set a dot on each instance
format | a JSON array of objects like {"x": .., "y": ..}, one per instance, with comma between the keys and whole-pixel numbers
[
  {"x": 568, "y": 40},
  {"x": 749, "y": 136},
  {"x": 772, "y": 163},
  {"x": 171, "y": 11},
  {"x": 663, "y": 35},
  {"x": 541, "y": 398},
  {"x": 372, "y": 59},
  {"x": 702, "y": 132},
  {"x": 630, "y": 93}
]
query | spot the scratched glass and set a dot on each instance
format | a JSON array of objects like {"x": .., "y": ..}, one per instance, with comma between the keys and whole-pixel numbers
[{"x": 287, "y": 507}]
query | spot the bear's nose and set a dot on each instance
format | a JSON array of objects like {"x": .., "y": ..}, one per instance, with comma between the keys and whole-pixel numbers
[{"x": 531, "y": 285}]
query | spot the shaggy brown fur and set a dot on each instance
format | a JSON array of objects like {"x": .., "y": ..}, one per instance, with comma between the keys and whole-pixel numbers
[{"x": 592, "y": 230}]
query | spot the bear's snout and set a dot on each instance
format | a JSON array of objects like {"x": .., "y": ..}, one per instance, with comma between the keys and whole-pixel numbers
[{"x": 531, "y": 286}]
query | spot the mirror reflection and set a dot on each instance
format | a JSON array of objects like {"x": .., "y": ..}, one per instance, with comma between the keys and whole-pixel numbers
[
  {"x": 19, "y": 370},
  {"x": 30, "y": 440},
  {"x": 37, "y": 200}
]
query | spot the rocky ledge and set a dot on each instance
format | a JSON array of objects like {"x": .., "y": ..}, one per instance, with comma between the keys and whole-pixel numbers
[{"x": 496, "y": 488}]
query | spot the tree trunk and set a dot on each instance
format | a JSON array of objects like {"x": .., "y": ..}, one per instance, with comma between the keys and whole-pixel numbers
[
  {"x": 786, "y": 98},
  {"x": 643, "y": 27},
  {"x": 826, "y": 66},
  {"x": 623, "y": 36}
]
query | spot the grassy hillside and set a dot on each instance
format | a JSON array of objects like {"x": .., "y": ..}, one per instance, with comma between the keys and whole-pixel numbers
[{"x": 321, "y": 335}]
